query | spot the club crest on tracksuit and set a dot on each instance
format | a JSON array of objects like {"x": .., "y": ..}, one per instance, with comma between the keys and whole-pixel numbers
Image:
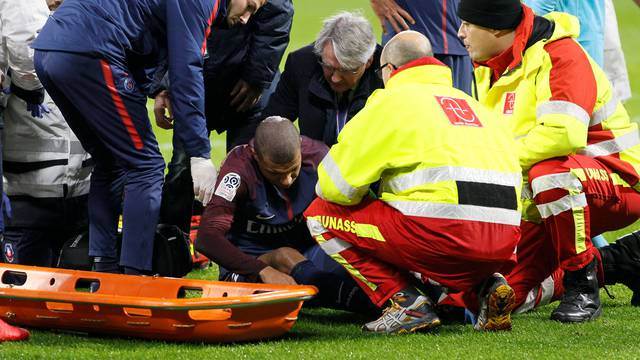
[
  {"x": 9, "y": 254},
  {"x": 458, "y": 111},
  {"x": 128, "y": 84}
]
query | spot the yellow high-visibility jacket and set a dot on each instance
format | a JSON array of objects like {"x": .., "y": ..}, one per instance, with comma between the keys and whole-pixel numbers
[
  {"x": 557, "y": 104},
  {"x": 437, "y": 152}
]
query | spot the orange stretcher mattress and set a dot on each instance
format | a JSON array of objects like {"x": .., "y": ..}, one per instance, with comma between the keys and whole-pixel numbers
[{"x": 147, "y": 307}]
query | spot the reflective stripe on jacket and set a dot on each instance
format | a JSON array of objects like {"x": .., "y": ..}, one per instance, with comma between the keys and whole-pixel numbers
[
  {"x": 559, "y": 102},
  {"x": 437, "y": 152},
  {"x": 42, "y": 156}
]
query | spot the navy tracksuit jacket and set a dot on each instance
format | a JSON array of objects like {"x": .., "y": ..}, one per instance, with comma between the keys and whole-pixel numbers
[{"x": 99, "y": 59}]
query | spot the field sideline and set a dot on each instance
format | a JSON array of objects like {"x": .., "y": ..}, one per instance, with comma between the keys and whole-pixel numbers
[{"x": 332, "y": 334}]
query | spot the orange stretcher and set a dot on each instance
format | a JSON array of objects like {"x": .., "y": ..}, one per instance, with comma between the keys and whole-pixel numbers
[{"x": 147, "y": 307}]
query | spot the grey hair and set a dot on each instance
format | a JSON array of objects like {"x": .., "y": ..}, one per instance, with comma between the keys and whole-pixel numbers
[{"x": 350, "y": 35}]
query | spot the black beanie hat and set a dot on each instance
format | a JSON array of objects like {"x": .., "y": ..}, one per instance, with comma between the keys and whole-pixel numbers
[{"x": 492, "y": 14}]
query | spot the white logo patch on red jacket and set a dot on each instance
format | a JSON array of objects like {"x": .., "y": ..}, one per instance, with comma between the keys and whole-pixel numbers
[
  {"x": 509, "y": 103},
  {"x": 458, "y": 111}
]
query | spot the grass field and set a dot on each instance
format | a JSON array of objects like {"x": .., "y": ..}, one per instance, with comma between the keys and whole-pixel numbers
[{"x": 331, "y": 334}]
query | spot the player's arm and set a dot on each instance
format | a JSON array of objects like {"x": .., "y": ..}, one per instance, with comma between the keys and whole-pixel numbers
[
  {"x": 270, "y": 29},
  {"x": 216, "y": 222},
  {"x": 187, "y": 26}
]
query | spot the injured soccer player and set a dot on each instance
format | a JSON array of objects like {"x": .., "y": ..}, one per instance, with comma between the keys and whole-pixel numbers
[{"x": 253, "y": 227}]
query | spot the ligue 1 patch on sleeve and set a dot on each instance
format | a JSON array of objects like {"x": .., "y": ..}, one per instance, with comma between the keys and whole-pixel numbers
[
  {"x": 458, "y": 111},
  {"x": 228, "y": 186}
]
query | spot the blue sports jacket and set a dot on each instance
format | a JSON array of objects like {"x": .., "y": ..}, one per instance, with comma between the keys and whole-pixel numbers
[{"x": 143, "y": 36}]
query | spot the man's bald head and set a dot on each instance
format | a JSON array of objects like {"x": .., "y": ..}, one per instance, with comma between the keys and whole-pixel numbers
[
  {"x": 277, "y": 139},
  {"x": 405, "y": 47}
]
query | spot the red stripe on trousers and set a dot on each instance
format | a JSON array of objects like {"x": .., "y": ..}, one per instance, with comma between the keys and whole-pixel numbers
[
  {"x": 445, "y": 43},
  {"x": 122, "y": 110},
  {"x": 571, "y": 77},
  {"x": 203, "y": 49}
]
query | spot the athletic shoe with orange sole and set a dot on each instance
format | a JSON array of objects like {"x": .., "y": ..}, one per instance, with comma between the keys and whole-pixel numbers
[
  {"x": 409, "y": 311},
  {"x": 497, "y": 300}
]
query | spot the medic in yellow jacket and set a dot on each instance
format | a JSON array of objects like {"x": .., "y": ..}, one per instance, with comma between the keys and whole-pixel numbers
[
  {"x": 577, "y": 147},
  {"x": 448, "y": 194}
]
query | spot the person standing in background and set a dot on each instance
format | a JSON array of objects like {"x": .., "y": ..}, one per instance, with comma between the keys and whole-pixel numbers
[
  {"x": 438, "y": 21},
  {"x": 46, "y": 169},
  {"x": 116, "y": 48}
]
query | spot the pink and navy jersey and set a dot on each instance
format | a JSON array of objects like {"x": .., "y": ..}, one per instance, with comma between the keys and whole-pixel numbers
[{"x": 252, "y": 214}]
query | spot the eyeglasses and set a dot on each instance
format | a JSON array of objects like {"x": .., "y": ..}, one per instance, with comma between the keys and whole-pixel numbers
[
  {"x": 379, "y": 70},
  {"x": 330, "y": 69}
]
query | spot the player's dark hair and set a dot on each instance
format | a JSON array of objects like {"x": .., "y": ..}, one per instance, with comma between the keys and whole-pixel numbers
[{"x": 277, "y": 139}]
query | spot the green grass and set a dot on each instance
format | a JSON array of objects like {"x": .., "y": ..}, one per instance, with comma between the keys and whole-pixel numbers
[
  {"x": 321, "y": 334},
  {"x": 333, "y": 334}
]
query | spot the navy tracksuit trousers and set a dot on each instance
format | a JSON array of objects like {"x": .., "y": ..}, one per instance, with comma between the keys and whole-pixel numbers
[{"x": 107, "y": 111}]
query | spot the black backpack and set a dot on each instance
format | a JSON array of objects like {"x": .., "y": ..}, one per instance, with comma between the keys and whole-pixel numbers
[{"x": 171, "y": 252}]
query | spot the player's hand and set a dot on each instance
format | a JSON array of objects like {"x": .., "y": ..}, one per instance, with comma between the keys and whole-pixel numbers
[
  {"x": 244, "y": 96},
  {"x": 390, "y": 11},
  {"x": 204, "y": 178},
  {"x": 162, "y": 110},
  {"x": 270, "y": 275}
]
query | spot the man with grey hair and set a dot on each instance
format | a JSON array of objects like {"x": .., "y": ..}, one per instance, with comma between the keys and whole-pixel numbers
[{"x": 326, "y": 83}]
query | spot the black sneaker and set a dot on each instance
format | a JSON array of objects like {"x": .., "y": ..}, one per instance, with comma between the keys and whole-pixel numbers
[
  {"x": 581, "y": 299},
  {"x": 497, "y": 300},
  {"x": 408, "y": 312},
  {"x": 621, "y": 264}
]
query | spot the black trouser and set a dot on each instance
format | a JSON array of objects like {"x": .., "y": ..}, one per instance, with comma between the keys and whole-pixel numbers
[
  {"x": 2, "y": 204},
  {"x": 39, "y": 227}
]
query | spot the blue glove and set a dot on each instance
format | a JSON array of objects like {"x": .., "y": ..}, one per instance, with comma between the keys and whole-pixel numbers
[{"x": 38, "y": 109}]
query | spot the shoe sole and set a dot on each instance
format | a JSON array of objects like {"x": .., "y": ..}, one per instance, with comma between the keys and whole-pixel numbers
[
  {"x": 420, "y": 327},
  {"x": 576, "y": 320},
  {"x": 501, "y": 303}
]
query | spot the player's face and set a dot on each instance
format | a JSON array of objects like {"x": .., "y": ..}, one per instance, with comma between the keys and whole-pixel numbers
[
  {"x": 280, "y": 175},
  {"x": 481, "y": 43},
  {"x": 339, "y": 79},
  {"x": 240, "y": 11}
]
